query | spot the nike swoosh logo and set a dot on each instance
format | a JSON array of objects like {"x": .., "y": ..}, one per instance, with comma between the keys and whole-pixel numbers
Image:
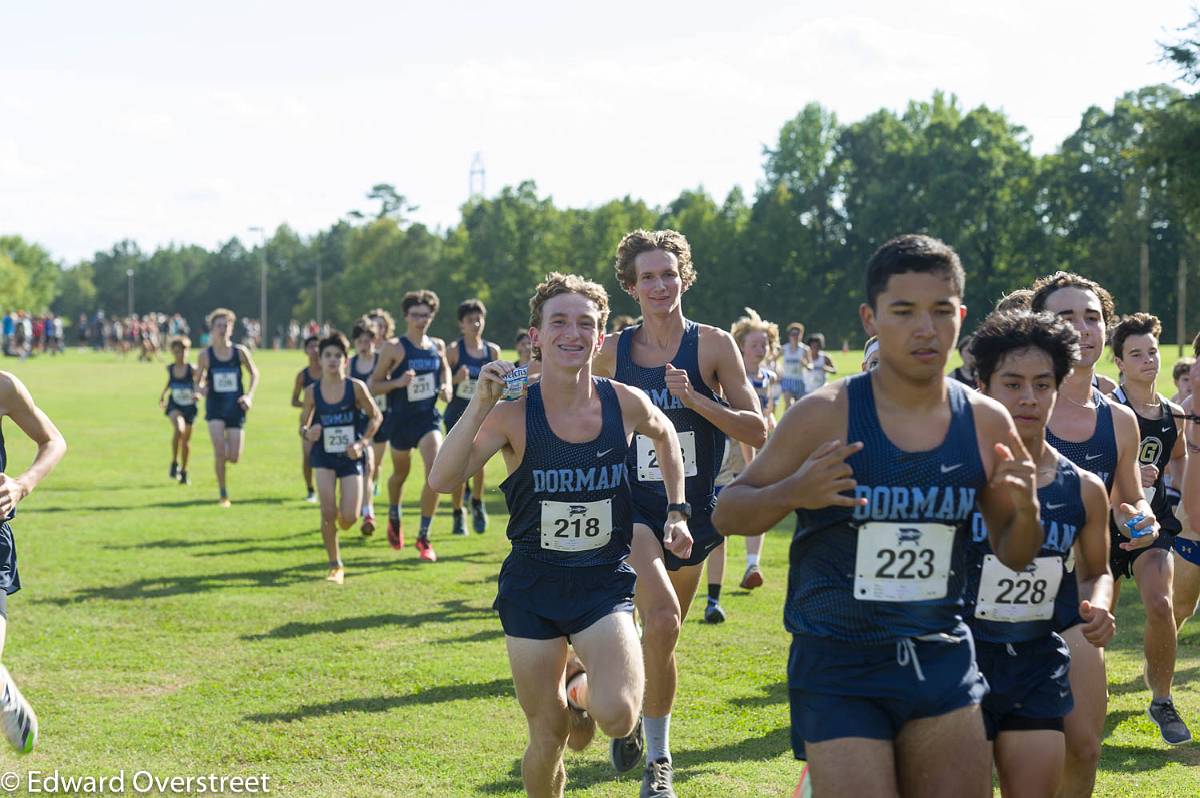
[
  {"x": 1168, "y": 429},
  {"x": 947, "y": 469},
  {"x": 1092, "y": 456},
  {"x": 601, "y": 454},
  {"x": 1055, "y": 506}
]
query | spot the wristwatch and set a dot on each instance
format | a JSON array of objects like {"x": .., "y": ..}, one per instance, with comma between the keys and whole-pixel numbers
[{"x": 683, "y": 508}]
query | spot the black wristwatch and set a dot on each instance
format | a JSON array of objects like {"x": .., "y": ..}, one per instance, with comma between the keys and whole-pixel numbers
[{"x": 683, "y": 508}]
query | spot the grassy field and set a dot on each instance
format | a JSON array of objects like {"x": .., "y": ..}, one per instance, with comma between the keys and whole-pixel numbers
[{"x": 159, "y": 632}]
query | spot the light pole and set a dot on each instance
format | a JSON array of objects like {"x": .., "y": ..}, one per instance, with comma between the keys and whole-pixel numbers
[
  {"x": 265, "y": 330},
  {"x": 129, "y": 291},
  {"x": 320, "y": 311}
]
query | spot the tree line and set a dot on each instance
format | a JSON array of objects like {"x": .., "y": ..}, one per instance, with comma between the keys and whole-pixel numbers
[{"x": 1126, "y": 180}]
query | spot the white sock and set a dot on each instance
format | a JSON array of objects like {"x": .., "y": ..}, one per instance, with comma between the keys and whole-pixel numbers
[
  {"x": 369, "y": 509},
  {"x": 751, "y": 560},
  {"x": 657, "y": 730}
]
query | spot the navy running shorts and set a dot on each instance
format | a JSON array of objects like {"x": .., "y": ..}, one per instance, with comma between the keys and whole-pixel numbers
[
  {"x": 705, "y": 536},
  {"x": 226, "y": 410},
  {"x": 1121, "y": 561},
  {"x": 407, "y": 432},
  {"x": 10, "y": 579},
  {"x": 341, "y": 465},
  {"x": 187, "y": 411},
  {"x": 793, "y": 386},
  {"x": 843, "y": 689},
  {"x": 384, "y": 433},
  {"x": 1028, "y": 685},
  {"x": 540, "y": 601}
]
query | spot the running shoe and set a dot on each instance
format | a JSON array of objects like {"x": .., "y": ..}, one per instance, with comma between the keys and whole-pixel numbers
[
  {"x": 1172, "y": 728},
  {"x": 581, "y": 727},
  {"x": 752, "y": 578},
  {"x": 368, "y": 526},
  {"x": 460, "y": 526},
  {"x": 337, "y": 575},
  {"x": 479, "y": 518},
  {"x": 16, "y": 716},
  {"x": 395, "y": 533},
  {"x": 183, "y": 477},
  {"x": 713, "y": 613},
  {"x": 626, "y": 752},
  {"x": 311, "y": 498},
  {"x": 174, "y": 470},
  {"x": 657, "y": 780},
  {"x": 425, "y": 550},
  {"x": 224, "y": 502}
]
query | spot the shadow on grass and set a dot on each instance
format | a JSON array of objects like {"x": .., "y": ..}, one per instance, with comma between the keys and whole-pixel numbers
[
  {"x": 771, "y": 695},
  {"x": 482, "y": 636},
  {"x": 179, "y": 543},
  {"x": 108, "y": 508},
  {"x": 497, "y": 688},
  {"x": 166, "y": 586},
  {"x": 1138, "y": 685},
  {"x": 451, "y": 611},
  {"x": 688, "y": 764}
]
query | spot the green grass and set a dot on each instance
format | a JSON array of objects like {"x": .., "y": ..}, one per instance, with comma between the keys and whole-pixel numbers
[{"x": 157, "y": 631}]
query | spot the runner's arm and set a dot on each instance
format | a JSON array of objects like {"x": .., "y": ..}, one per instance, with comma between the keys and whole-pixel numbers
[
  {"x": 366, "y": 403},
  {"x": 17, "y": 404},
  {"x": 1091, "y": 547},
  {"x": 648, "y": 420},
  {"x": 796, "y": 469},
  {"x": 298, "y": 388},
  {"x": 308, "y": 407},
  {"x": 1179, "y": 454},
  {"x": 742, "y": 420},
  {"x": 1092, "y": 572},
  {"x": 379, "y": 382},
  {"x": 447, "y": 390},
  {"x": 247, "y": 359},
  {"x": 1191, "y": 474},
  {"x": 479, "y": 433},
  {"x": 1009, "y": 499},
  {"x": 202, "y": 373},
  {"x": 1127, "y": 481}
]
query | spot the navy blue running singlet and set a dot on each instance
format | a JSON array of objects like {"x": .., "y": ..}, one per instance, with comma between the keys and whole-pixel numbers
[
  {"x": 1011, "y": 607},
  {"x": 702, "y": 443},
  {"x": 895, "y": 568},
  {"x": 569, "y": 503},
  {"x": 419, "y": 397}
]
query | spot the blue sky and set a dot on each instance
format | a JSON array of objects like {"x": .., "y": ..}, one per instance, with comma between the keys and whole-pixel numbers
[{"x": 164, "y": 123}]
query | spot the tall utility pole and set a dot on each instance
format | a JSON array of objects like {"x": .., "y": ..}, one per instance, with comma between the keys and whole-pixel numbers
[
  {"x": 129, "y": 291},
  {"x": 1181, "y": 311},
  {"x": 477, "y": 181},
  {"x": 320, "y": 310},
  {"x": 1144, "y": 279},
  {"x": 262, "y": 289}
]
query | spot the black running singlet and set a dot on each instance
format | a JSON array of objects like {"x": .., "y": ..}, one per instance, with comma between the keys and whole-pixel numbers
[{"x": 569, "y": 503}]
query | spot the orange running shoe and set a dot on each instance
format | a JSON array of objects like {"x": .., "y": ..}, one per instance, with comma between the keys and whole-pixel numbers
[
  {"x": 395, "y": 534},
  {"x": 425, "y": 550}
]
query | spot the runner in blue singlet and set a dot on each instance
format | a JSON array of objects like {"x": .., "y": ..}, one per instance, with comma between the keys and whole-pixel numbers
[
  {"x": 571, "y": 517},
  {"x": 1101, "y": 437},
  {"x": 882, "y": 676},
  {"x": 339, "y": 416},
  {"x": 1020, "y": 360},
  {"x": 178, "y": 401},
  {"x": 467, "y": 356},
  {"x": 227, "y": 400},
  {"x": 694, "y": 374},
  {"x": 414, "y": 375},
  {"x": 308, "y": 375},
  {"x": 18, "y": 722}
]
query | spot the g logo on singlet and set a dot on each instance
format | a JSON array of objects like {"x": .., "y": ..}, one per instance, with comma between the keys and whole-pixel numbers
[{"x": 1151, "y": 449}]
